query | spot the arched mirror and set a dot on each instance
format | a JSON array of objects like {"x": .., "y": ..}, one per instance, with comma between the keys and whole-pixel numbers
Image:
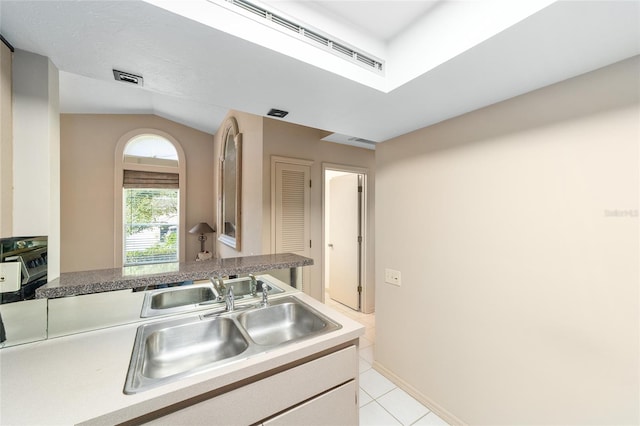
[{"x": 230, "y": 178}]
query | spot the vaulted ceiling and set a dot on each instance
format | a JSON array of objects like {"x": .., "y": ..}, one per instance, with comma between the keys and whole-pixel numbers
[{"x": 200, "y": 58}]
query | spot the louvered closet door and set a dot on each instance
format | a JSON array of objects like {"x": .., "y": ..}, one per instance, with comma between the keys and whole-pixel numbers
[{"x": 292, "y": 219}]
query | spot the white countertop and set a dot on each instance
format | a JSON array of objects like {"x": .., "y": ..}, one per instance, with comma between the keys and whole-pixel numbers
[{"x": 80, "y": 378}]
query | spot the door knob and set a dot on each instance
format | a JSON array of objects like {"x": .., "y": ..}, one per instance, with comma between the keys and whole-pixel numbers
[{"x": 330, "y": 245}]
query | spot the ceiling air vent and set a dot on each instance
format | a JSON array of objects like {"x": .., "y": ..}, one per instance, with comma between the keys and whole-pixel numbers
[
  {"x": 277, "y": 113},
  {"x": 310, "y": 36},
  {"x": 316, "y": 38},
  {"x": 361, "y": 140},
  {"x": 127, "y": 77}
]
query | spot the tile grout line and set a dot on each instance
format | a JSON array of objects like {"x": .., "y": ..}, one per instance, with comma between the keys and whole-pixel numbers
[
  {"x": 422, "y": 417},
  {"x": 391, "y": 414}
]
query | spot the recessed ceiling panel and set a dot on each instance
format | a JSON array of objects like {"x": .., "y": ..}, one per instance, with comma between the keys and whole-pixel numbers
[{"x": 382, "y": 20}]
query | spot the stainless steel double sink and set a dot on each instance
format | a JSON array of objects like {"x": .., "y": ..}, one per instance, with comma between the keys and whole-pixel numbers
[
  {"x": 174, "y": 300},
  {"x": 168, "y": 350}
]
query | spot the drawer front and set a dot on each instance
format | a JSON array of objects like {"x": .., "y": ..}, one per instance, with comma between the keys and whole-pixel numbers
[{"x": 338, "y": 406}]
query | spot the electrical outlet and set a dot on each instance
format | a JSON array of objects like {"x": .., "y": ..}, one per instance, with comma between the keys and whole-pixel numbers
[
  {"x": 392, "y": 276},
  {"x": 9, "y": 277}
]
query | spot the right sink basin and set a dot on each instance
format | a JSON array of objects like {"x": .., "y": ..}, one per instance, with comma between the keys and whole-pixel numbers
[
  {"x": 283, "y": 322},
  {"x": 242, "y": 287}
]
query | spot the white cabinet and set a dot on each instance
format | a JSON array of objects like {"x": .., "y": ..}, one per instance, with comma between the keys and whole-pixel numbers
[
  {"x": 284, "y": 397},
  {"x": 338, "y": 406}
]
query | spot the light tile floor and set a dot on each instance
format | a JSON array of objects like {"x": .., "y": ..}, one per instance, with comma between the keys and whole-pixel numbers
[{"x": 382, "y": 402}]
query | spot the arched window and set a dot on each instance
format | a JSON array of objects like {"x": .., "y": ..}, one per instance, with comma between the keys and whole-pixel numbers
[
  {"x": 151, "y": 149},
  {"x": 150, "y": 215}
]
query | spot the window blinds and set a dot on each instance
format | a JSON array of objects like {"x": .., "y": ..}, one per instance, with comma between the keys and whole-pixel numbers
[{"x": 139, "y": 179}]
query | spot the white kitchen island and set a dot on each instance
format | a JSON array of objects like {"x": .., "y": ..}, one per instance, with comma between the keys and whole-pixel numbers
[{"x": 79, "y": 379}]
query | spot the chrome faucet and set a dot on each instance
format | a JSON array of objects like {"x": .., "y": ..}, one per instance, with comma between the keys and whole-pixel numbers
[
  {"x": 230, "y": 300},
  {"x": 253, "y": 287},
  {"x": 265, "y": 294},
  {"x": 219, "y": 289}
]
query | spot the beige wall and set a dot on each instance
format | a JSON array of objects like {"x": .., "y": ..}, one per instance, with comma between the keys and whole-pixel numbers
[
  {"x": 290, "y": 140},
  {"x": 53, "y": 134},
  {"x": 88, "y": 144},
  {"x": 6, "y": 143},
  {"x": 263, "y": 138},
  {"x": 519, "y": 296},
  {"x": 36, "y": 152}
]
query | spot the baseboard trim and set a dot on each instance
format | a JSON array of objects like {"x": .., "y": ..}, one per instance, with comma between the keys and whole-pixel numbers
[{"x": 433, "y": 406}]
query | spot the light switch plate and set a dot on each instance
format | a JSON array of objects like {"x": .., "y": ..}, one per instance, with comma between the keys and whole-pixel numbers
[
  {"x": 392, "y": 276},
  {"x": 9, "y": 277}
]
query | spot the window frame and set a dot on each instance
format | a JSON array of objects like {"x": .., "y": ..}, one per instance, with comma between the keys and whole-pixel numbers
[{"x": 121, "y": 165}]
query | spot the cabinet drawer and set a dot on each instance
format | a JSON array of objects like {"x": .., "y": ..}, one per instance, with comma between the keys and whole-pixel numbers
[
  {"x": 337, "y": 407},
  {"x": 274, "y": 394}
]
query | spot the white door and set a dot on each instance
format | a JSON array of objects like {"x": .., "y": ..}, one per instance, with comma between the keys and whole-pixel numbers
[{"x": 343, "y": 244}]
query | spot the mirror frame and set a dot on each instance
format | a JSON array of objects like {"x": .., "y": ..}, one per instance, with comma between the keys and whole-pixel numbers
[{"x": 230, "y": 129}]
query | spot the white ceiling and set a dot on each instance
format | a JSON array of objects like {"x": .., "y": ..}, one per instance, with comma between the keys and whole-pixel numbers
[{"x": 195, "y": 69}]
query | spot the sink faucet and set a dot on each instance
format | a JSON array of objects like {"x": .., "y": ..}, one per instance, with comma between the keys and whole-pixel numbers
[
  {"x": 229, "y": 299},
  {"x": 265, "y": 294},
  {"x": 218, "y": 287},
  {"x": 254, "y": 284}
]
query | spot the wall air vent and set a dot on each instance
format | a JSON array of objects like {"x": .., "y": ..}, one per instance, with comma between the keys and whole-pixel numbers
[
  {"x": 312, "y": 37},
  {"x": 128, "y": 77}
]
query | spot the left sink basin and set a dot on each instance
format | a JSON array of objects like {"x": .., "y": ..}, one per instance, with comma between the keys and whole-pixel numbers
[
  {"x": 168, "y": 350},
  {"x": 176, "y": 299},
  {"x": 187, "y": 296}
]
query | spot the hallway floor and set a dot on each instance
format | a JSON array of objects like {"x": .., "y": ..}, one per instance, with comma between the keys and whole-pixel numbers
[{"x": 382, "y": 403}]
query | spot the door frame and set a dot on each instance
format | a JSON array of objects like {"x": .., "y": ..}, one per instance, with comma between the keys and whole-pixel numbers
[{"x": 364, "y": 223}]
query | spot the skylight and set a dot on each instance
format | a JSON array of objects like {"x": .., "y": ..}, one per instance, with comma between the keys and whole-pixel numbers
[{"x": 301, "y": 31}]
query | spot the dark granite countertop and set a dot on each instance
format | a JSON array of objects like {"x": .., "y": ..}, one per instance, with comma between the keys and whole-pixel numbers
[{"x": 88, "y": 282}]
